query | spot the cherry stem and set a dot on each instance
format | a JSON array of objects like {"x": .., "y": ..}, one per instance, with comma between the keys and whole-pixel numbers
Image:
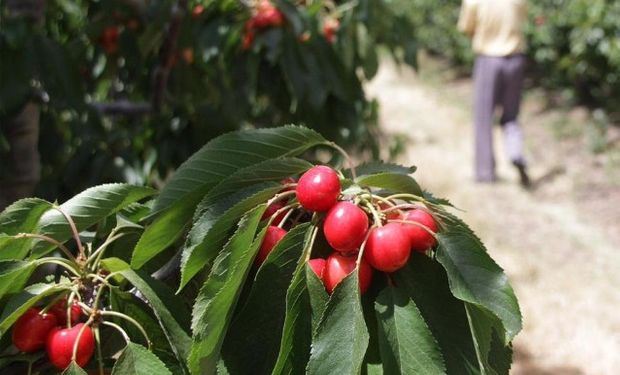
[
  {"x": 52, "y": 303},
  {"x": 375, "y": 214},
  {"x": 279, "y": 196},
  {"x": 60, "y": 262},
  {"x": 69, "y": 305},
  {"x": 76, "y": 234},
  {"x": 79, "y": 336},
  {"x": 279, "y": 211},
  {"x": 407, "y": 196},
  {"x": 131, "y": 320},
  {"x": 99, "y": 353},
  {"x": 416, "y": 224},
  {"x": 308, "y": 248},
  {"x": 384, "y": 200},
  {"x": 119, "y": 329},
  {"x": 346, "y": 156},
  {"x": 400, "y": 206},
  {"x": 47, "y": 239},
  {"x": 363, "y": 245},
  {"x": 95, "y": 257},
  {"x": 285, "y": 218},
  {"x": 104, "y": 283}
]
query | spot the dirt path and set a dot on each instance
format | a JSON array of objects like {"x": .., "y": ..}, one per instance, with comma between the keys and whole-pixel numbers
[{"x": 560, "y": 243}]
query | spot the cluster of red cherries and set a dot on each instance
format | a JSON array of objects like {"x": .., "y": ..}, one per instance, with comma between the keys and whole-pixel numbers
[
  {"x": 265, "y": 15},
  {"x": 348, "y": 227},
  {"x": 58, "y": 330}
]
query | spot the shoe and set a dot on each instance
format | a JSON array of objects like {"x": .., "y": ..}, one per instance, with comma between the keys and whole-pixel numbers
[{"x": 523, "y": 176}]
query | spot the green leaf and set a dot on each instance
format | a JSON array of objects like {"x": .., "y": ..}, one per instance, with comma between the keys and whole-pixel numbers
[
  {"x": 137, "y": 360},
  {"x": 297, "y": 332},
  {"x": 318, "y": 296},
  {"x": 14, "y": 274},
  {"x": 20, "y": 217},
  {"x": 486, "y": 329},
  {"x": 377, "y": 167},
  {"x": 262, "y": 317},
  {"x": 341, "y": 339},
  {"x": 268, "y": 170},
  {"x": 398, "y": 183},
  {"x": 74, "y": 369},
  {"x": 474, "y": 276},
  {"x": 163, "y": 231},
  {"x": 86, "y": 209},
  {"x": 227, "y": 153},
  {"x": 23, "y": 215},
  {"x": 218, "y": 296},
  {"x": 211, "y": 230},
  {"x": 159, "y": 299},
  {"x": 134, "y": 307},
  {"x": 426, "y": 283},
  {"x": 21, "y": 302},
  {"x": 407, "y": 345}
]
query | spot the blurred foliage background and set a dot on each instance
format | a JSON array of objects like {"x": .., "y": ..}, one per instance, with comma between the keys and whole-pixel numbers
[
  {"x": 573, "y": 46},
  {"x": 130, "y": 88}
]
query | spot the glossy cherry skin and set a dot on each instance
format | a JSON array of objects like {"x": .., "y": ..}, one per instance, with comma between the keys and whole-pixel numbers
[
  {"x": 420, "y": 239},
  {"x": 388, "y": 247},
  {"x": 318, "y": 266},
  {"x": 318, "y": 189},
  {"x": 271, "y": 210},
  {"x": 345, "y": 226},
  {"x": 338, "y": 266},
  {"x": 31, "y": 329},
  {"x": 272, "y": 237},
  {"x": 60, "y": 343},
  {"x": 60, "y": 310}
]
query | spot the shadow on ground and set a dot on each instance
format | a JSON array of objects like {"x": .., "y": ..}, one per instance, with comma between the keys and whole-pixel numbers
[{"x": 526, "y": 364}]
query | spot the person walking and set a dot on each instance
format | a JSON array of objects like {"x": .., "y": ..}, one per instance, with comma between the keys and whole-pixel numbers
[{"x": 496, "y": 30}]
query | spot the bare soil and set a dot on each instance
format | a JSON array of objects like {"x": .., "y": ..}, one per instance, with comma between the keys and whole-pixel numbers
[{"x": 558, "y": 242}]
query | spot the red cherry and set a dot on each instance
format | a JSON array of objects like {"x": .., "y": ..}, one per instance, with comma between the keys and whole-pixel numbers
[
  {"x": 109, "y": 39},
  {"x": 330, "y": 27},
  {"x": 338, "y": 266},
  {"x": 272, "y": 237},
  {"x": 271, "y": 210},
  {"x": 267, "y": 15},
  {"x": 318, "y": 266},
  {"x": 318, "y": 189},
  {"x": 345, "y": 226},
  {"x": 388, "y": 247},
  {"x": 420, "y": 239},
  {"x": 197, "y": 10},
  {"x": 60, "y": 310},
  {"x": 60, "y": 344},
  {"x": 31, "y": 329}
]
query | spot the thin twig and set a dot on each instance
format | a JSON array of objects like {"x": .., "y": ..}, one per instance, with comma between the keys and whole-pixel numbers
[
  {"x": 76, "y": 234},
  {"x": 123, "y": 107},
  {"x": 47, "y": 239}
]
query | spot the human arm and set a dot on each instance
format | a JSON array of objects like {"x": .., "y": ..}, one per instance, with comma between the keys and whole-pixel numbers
[{"x": 467, "y": 18}]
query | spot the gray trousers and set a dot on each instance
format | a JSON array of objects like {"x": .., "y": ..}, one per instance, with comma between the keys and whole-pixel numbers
[
  {"x": 22, "y": 167},
  {"x": 498, "y": 81}
]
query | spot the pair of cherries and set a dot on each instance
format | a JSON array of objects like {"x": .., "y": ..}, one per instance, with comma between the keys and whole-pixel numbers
[{"x": 35, "y": 330}]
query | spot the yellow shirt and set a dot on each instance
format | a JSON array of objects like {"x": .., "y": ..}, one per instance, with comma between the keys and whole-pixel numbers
[{"x": 495, "y": 26}]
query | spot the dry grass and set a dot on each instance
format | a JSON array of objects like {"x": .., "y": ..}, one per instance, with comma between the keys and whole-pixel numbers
[{"x": 560, "y": 244}]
